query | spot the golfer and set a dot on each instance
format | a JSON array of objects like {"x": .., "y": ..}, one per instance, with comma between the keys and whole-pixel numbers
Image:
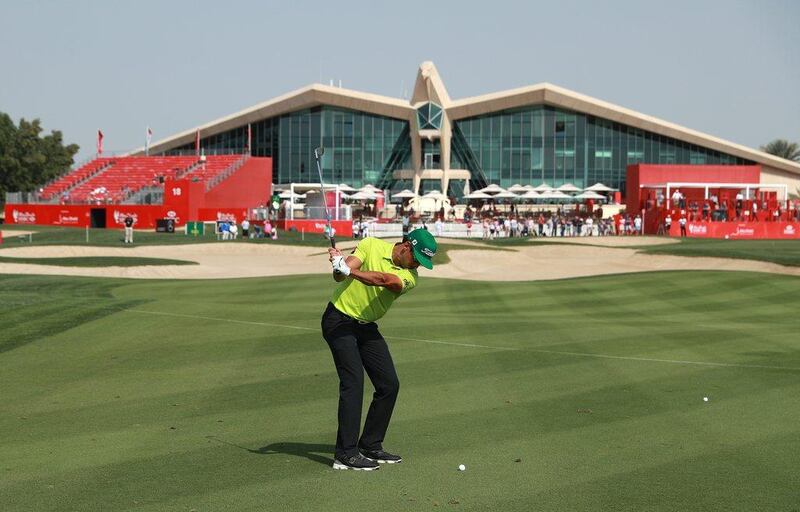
[{"x": 371, "y": 278}]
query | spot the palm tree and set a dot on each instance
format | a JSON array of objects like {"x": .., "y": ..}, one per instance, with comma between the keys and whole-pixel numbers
[{"x": 784, "y": 149}]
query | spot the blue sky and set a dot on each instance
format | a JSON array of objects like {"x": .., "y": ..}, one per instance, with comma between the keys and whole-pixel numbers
[{"x": 727, "y": 68}]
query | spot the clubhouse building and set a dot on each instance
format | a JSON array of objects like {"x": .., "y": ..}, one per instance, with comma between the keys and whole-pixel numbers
[{"x": 540, "y": 133}]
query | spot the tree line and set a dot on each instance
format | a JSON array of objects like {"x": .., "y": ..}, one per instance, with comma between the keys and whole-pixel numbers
[{"x": 29, "y": 159}]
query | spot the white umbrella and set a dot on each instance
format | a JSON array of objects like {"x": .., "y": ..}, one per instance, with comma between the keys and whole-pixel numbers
[
  {"x": 599, "y": 187},
  {"x": 435, "y": 194},
  {"x": 405, "y": 194},
  {"x": 554, "y": 194},
  {"x": 360, "y": 196},
  {"x": 346, "y": 188},
  {"x": 506, "y": 195},
  {"x": 568, "y": 187},
  {"x": 517, "y": 188},
  {"x": 531, "y": 194},
  {"x": 544, "y": 187},
  {"x": 492, "y": 189},
  {"x": 369, "y": 188},
  {"x": 528, "y": 187},
  {"x": 477, "y": 195},
  {"x": 589, "y": 194}
]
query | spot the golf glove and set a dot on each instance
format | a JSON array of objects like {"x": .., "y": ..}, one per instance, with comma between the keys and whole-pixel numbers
[{"x": 339, "y": 265}]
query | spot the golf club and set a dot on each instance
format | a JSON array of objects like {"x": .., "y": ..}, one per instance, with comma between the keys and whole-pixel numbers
[{"x": 317, "y": 155}]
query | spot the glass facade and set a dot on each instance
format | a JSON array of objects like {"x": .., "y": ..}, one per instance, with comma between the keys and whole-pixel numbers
[
  {"x": 360, "y": 148},
  {"x": 546, "y": 144},
  {"x": 527, "y": 146}
]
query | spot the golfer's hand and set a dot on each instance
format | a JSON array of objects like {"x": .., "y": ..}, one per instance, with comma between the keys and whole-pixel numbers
[
  {"x": 340, "y": 266},
  {"x": 333, "y": 253}
]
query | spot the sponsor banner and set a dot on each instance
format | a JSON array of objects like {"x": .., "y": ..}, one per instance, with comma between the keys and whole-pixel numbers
[
  {"x": 79, "y": 215},
  {"x": 740, "y": 230},
  {"x": 344, "y": 228},
  {"x": 236, "y": 215}
]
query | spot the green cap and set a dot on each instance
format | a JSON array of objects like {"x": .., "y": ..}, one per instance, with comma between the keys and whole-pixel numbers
[{"x": 423, "y": 245}]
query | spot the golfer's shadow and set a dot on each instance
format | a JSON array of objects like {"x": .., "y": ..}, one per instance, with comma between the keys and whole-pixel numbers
[{"x": 310, "y": 451}]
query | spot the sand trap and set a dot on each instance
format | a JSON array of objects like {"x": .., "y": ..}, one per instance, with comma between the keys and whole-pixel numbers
[
  {"x": 521, "y": 263},
  {"x": 9, "y": 233},
  {"x": 611, "y": 241}
]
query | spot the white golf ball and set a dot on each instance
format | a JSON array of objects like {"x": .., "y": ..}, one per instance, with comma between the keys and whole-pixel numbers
[
  {"x": 461, "y": 467},
  {"x": 705, "y": 399}
]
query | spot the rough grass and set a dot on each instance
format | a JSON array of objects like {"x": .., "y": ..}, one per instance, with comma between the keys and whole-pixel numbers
[{"x": 582, "y": 394}]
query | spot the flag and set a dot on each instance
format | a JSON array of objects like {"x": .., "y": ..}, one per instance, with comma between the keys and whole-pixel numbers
[
  {"x": 148, "y": 138},
  {"x": 249, "y": 138},
  {"x": 99, "y": 142},
  {"x": 197, "y": 142}
]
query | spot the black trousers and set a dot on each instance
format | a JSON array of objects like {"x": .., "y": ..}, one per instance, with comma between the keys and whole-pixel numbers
[{"x": 357, "y": 347}]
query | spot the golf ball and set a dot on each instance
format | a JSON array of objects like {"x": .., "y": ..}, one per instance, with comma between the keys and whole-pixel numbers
[
  {"x": 461, "y": 467},
  {"x": 705, "y": 399}
]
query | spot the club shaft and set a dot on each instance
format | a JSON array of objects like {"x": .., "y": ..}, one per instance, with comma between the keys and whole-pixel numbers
[{"x": 324, "y": 198}]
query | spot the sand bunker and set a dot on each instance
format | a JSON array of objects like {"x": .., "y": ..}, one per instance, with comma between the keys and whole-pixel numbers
[{"x": 522, "y": 263}]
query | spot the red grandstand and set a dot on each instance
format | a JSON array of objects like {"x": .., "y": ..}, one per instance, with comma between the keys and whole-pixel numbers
[
  {"x": 103, "y": 191},
  {"x": 712, "y": 201}
]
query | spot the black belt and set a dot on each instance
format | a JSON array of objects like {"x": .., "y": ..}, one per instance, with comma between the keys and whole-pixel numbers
[{"x": 334, "y": 308}]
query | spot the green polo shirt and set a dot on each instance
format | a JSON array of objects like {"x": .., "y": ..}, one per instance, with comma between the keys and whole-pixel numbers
[{"x": 369, "y": 303}]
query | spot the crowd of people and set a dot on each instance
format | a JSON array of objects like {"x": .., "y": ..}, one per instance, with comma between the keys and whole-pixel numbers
[
  {"x": 229, "y": 230},
  {"x": 738, "y": 208},
  {"x": 549, "y": 225}
]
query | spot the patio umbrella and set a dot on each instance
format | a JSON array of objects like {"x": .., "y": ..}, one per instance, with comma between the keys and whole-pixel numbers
[
  {"x": 405, "y": 194},
  {"x": 568, "y": 187},
  {"x": 531, "y": 194},
  {"x": 346, "y": 188},
  {"x": 477, "y": 195},
  {"x": 528, "y": 187},
  {"x": 589, "y": 194},
  {"x": 544, "y": 187},
  {"x": 435, "y": 194},
  {"x": 362, "y": 196},
  {"x": 492, "y": 189},
  {"x": 599, "y": 187},
  {"x": 505, "y": 195},
  {"x": 517, "y": 189},
  {"x": 370, "y": 188}
]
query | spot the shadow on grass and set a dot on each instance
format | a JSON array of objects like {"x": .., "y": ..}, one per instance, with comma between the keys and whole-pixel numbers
[{"x": 310, "y": 451}]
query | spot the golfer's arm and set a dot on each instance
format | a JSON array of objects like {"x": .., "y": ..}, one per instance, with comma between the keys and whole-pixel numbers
[{"x": 369, "y": 277}]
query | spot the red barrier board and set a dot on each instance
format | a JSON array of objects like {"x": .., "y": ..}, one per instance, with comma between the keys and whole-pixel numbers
[
  {"x": 214, "y": 214},
  {"x": 342, "y": 227},
  {"x": 740, "y": 230}
]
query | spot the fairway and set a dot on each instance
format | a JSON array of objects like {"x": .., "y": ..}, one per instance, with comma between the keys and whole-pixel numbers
[{"x": 579, "y": 394}]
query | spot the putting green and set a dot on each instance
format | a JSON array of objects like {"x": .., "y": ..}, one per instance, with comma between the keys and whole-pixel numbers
[{"x": 582, "y": 394}]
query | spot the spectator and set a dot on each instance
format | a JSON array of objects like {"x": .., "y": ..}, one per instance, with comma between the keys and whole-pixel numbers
[
  {"x": 682, "y": 222},
  {"x": 245, "y": 228},
  {"x": 267, "y": 227}
]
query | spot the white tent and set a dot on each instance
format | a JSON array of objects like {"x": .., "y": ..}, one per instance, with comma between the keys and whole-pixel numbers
[
  {"x": 544, "y": 187},
  {"x": 599, "y": 187},
  {"x": 517, "y": 189},
  {"x": 568, "y": 187},
  {"x": 531, "y": 194},
  {"x": 346, "y": 188},
  {"x": 529, "y": 187}
]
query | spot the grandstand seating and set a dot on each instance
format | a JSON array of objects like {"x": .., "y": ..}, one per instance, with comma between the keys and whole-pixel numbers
[{"x": 112, "y": 179}]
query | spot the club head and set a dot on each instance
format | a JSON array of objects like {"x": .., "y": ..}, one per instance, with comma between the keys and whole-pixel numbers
[{"x": 319, "y": 152}]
